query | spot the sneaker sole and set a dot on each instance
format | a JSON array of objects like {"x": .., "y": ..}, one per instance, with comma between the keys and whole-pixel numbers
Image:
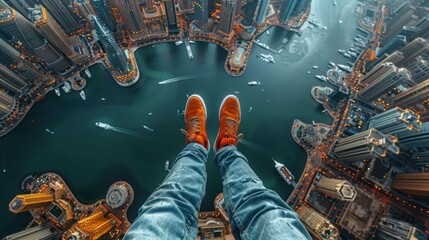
[
  {"x": 220, "y": 109},
  {"x": 205, "y": 109}
]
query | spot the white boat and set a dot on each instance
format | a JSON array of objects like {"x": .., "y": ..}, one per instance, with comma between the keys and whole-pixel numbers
[
  {"x": 82, "y": 95},
  {"x": 253, "y": 83},
  {"x": 315, "y": 67},
  {"x": 49, "y": 131},
  {"x": 268, "y": 32},
  {"x": 340, "y": 22},
  {"x": 284, "y": 172},
  {"x": 57, "y": 91},
  {"x": 321, "y": 78},
  {"x": 342, "y": 51},
  {"x": 149, "y": 114},
  {"x": 345, "y": 68},
  {"x": 102, "y": 125},
  {"x": 335, "y": 3},
  {"x": 148, "y": 128},
  {"x": 236, "y": 92},
  {"x": 190, "y": 41},
  {"x": 65, "y": 89},
  {"x": 332, "y": 64},
  {"x": 347, "y": 55},
  {"x": 284, "y": 40},
  {"x": 325, "y": 28},
  {"x": 167, "y": 164},
  {"x": 88, "y": 73},
  {"x": 103, "y": 99},
  {"x": 178, "y": 43},
  {"x": 67, "y": 85},
  {"x": 250, "y": 109}
]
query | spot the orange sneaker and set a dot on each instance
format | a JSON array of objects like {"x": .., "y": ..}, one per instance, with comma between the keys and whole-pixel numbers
[
  {"x": 229, "y": 117},
  {"x": 195, "y": 118}
]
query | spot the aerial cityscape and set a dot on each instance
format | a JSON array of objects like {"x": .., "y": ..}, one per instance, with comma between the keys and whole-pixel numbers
[{"x": 92, "y": 96}]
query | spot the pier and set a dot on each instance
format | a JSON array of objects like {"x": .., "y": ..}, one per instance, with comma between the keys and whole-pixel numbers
[{"x": 189, "y": 50}]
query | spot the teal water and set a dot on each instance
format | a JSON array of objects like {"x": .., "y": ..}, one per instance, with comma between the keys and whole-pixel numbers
[{"x": 90, "y": 159}]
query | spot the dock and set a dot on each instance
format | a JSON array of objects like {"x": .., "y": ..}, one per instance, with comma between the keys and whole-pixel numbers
[{"x": 189, "y": 50}]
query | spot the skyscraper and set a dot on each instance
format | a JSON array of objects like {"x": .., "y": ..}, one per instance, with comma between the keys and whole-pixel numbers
[
  {"x": 301, "y": 7},
  {"x": 26, "y": 202},
  {"x": 397, "y": 42},
  {"x": 201, "y": 8},
  {"x": 286, "y": 10},
  {"x": 398, "y": 20},
  {"x": 10, "y": 81},
  {"x": 186, "y": 5},
  {"x": 149, "y": 6},
  {"x": 416, "y": 99},
  {"x": 227, "y": 14},
  {"x": 390, "y": 228},
  {"x": 133, "y": 17},
  {"x": 69, "y": 45},
  {"x": 85, "y": 9},
  {"x": 116, "y": 56},
  {"x": 416, "y": 184},
  {"x": 317, "y": 225},
  {"x": 394, "y": 58},
  {"x": 336, "y": 188},
  {"x": 381, "y": 80},
  {"x": 365, "y": 145},
  {"x": 419, "y": 69},
  {"x": 262, "y": 11},
  {"x": 249, "y": 12},
  {"x": 18, "y": 29},
  {"x": 62, "y": 10},
  {"x": 6, "y": 103},
  {"x": 417, "y": 47},
  {"x": 38, "y": 232},
  {"x": 103, "y": 12},
  {"x": 415, "y": 140},
  {"x": 171, "y": 16},
  {"x": 395, "y": 121}
]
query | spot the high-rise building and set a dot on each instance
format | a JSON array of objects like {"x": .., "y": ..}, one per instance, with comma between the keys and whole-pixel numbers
[
  {"x": 395, "y": 120},
  {"x": 62, "y": 10},
  {"x": 37, "y": 232},
  {"x": 420, "y": 158},
  {"x": 10, "y": 81},
  {"x": 286, "y": 10},
  {"x": 149, "y": 6},
  {"x": 116, "y": 56},
  {"x": 249, "y": 12},
  {"x": 21, "y": 6},
  {"x": 6, "y": 104},
  {"x": 416, "y": 184},
  {"x": 30, "y": 201},
  {"x": 69, "y": 45},
  {"x": 133, "y": 17},
  {"x": 301, "y": 7},
  {"x": 423, "y": 27},
  {"x": 186, "y": 5},
  {"x": 417, "y": 47},
  {"x": 227, "y": 14},
  {"x": 171, "y": 16},
  {"x": 336, "y": 188},
  {"x": 394, "y": 58},
  {"x": 85, "y": 9},
  {"x": 394, "y": 229},
  {"x": 365, "y": 145},
  {"x": 103, "y": 12},
  {"x": 416, "y": 99},
  {"x": 18, "y": 29},
  {"x": 201, "y": 8},
  {"x": 381, "y": 80},
  {"x": 397, "y": 22},
  {"x": 413, "y": 140},
  {"x": 397, "y": 42},
  {"x": 261, "y": 13},
  {"x": 317, "y": 225},
  {"x": 419, "y": 69},
  {"x": 8, "y": 54}
]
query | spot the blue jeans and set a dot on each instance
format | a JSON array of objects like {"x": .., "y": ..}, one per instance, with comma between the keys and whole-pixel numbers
[{"x": 255, "y": 212}]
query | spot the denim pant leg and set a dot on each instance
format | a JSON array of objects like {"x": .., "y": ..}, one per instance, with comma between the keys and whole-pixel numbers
[
  {"x": 171, "y": 212},
  {"x": 254, "y": 211}
]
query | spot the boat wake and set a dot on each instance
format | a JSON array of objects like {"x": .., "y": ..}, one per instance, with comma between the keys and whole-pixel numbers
[
  {"x": 257, "y": 148},
  {"x": 186, "y": 77},
  {"x": 132, "y": 133}
]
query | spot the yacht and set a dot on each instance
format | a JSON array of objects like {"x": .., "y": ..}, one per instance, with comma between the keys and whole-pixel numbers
[
  {"x": 57, "y": 91},
  {"x": 102, "y": 125},
  {"x": 321, "y": 78},
  {"x": 335, "y": 3},
  {"x": 149, "y": 114},
  {"x": 67, "y": 85},
  {"x": 315, "y": 67},
  {"x": 167, "y": 164},
  {"x": 103, "y": 99},
  {"x": 345, "y": 67},
  {"x": 342, "y": 51},
  {"x": 178, "y": 43},
  {"x": 82, "y": 95},
  {"x": 332, "y": 64},
  {"x": 253, "y": 83},
  {"x": 148, "y": 128},
  {"x": 190, "y": 41},
  {"x": 268, "y": 32},
  {"x": 284, "y": 172},
  {"x": 88, "y": 73},
  {"x": 65, "y": 89},
  {"x": 347, "y": 55},
  {"x": 340, "y": 22},
  {"x": 49, "y": 131}
]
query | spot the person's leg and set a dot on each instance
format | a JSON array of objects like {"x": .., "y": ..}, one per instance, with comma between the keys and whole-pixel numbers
[
  {"x": 171, "y": 212},
  {"x": 254, "y": 211}
]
